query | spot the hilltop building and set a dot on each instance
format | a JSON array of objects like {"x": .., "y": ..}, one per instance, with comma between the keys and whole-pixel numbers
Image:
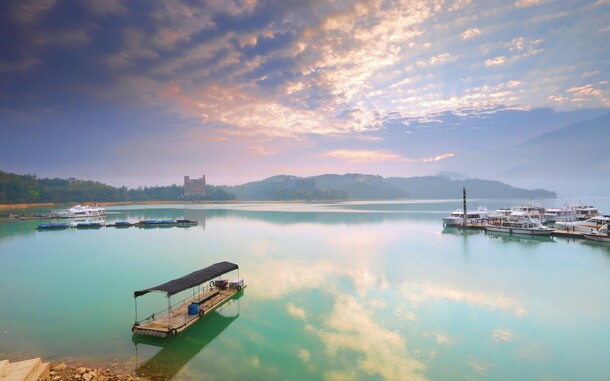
[{"x": 194, "y": 187}]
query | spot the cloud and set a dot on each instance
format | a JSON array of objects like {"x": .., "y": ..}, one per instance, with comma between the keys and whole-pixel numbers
[
  {"x": 19, "y": 67},
  {"x": 471, "y": 33},
  {"x": 364, "y": 156},
  {"x": 528, "y": 3},
  {"x": 499, "y": 60},
  {"x": 30, "y": 11}
]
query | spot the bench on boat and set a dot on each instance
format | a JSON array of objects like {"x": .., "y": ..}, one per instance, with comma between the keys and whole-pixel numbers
[{"x": 207, "y": 296}]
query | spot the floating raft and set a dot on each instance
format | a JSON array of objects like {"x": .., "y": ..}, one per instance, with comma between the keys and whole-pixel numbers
[
  {"x": 119, "y": 224},
  {"x": 176, "y": 318}
]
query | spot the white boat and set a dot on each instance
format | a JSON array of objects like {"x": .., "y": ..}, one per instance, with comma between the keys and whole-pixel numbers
[
  {"x": 472, "y": 217},
  {"x": 591, "y": 225},
  {"x": 535, "y": 211},
  {"x": 80, "y": 211},
  {"x": 601, "y": 235},
  {"x": 584, "y": 212},
  {"x": 519, "y": 223},
  {"x": 553, "y": 215}
]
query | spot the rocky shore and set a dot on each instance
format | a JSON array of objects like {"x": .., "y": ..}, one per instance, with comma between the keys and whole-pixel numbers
[{"x": 64, "y": 372}]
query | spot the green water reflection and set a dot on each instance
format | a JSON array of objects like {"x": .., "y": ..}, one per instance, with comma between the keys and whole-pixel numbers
[{"x": 357, "y": 291}]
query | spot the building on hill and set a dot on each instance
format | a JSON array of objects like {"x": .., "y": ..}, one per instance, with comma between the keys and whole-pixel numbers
[{"x": 194, "y": 187}]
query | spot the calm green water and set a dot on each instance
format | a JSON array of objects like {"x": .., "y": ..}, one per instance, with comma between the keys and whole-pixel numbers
[{"x": 354, "y": 291}]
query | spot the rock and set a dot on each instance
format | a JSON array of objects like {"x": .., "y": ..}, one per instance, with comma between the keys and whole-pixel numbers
[
  {"x": 60, "y": 366},
  {"x": 87, "y": 376},
  {"x": 81, "y": 370}
]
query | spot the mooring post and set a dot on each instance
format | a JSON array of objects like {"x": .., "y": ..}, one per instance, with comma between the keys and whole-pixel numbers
[{"x": 465, "y": 219}]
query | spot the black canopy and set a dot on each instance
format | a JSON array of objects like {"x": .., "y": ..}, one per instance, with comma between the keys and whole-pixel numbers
[{"x": 191, "y": 280}]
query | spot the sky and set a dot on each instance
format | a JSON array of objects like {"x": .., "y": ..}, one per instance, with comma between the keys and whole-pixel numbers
[{"x": 145, "y": 92}]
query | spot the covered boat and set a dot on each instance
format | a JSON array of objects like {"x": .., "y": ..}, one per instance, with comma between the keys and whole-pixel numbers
[{"x": 206, "y": 297}]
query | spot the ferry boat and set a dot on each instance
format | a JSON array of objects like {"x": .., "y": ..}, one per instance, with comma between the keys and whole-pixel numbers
[
  {"x": 584, "y": 212},
  {"x": 520, "y": 223},
  {"x": 587, "y": 226},
  {"x": 472, "y": 217},
  {"x": 535, "y": 211},
  {"x": 601, "y": 235},
  {"x": 553, "y": 215},
  {"x": 79, "y": 211},
  {"x": 206, "y": 298}
]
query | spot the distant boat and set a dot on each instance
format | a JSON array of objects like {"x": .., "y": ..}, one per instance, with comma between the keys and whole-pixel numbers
[
  {"x": 472, "y": 216},
  {"x": 601, "y": 235},
  {"x": 79, "y": 211}
]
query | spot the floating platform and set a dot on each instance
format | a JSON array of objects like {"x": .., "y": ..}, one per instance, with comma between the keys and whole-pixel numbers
[{"x": 208, "y": 297}]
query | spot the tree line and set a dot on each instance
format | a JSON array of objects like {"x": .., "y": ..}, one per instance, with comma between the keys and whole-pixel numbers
[{"x": 19, "y": 189}]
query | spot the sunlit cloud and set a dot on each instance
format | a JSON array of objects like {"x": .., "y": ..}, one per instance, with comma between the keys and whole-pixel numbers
[
  {"x": 478, "y": 365},
  {"x": 528, "y": 3},
  {"x": 364, "y": 156},
  {"x": 471, "y": 33},
  {"x": 499, "y": 60}
]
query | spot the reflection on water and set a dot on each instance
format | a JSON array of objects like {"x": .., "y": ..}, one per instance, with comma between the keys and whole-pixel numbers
[
  {"x": 178, "y": 351},
  {"x": 525, "y": 239},
  {"x": 332, "y": 295}
]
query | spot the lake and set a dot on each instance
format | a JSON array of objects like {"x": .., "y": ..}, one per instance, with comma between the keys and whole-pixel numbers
[{"x": 338, "y": 291}]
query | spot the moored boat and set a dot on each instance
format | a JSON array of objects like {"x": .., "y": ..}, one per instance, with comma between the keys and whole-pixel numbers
[
  {"x": 472, "y": 217},
  {"x": 585, "y": 212},
  {"x": 601, "y": 235},
  {"x": 587, "y": 226},
  {"x": 206, "y": 298},
  {"x": 520, "y": 223},
  {"x": 79, "y": 211},
  {"x": 553, "y": 215}
]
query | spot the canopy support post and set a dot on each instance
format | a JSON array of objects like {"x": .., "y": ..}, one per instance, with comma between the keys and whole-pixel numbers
[
  {"x": 136, "y": 302},
  {"x": 169, "y": 312}
]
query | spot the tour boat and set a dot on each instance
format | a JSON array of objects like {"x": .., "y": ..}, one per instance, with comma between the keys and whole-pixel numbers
[
  {"x": 587, "y": 226},
  {"x": 584, "y": 212},
  {"x": 553, "y": 215},
  {"x": 520, "y": 223},
  {"x": 472, "y": 217},
  {"x": 205, "y": 298},
  {"x": 80, "y": 211},
  {"x": 601, "y": 235}
]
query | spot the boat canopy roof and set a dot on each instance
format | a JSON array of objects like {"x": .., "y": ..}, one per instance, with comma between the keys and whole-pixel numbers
[{"x": 191, "y": 280}]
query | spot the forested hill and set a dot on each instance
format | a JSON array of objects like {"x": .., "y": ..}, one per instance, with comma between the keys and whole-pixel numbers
[
  {"x": 16, "y": 189},
  {"x": 371, "y": 187},
  {"x": 29, "y": 189}
]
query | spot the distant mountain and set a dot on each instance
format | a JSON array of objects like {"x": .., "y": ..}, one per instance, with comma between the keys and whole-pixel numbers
[
  {"x": 372, "y": 187},
  {"x": 575, "y": 158}
]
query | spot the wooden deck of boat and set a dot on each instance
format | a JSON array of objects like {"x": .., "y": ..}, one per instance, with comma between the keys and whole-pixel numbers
[{"x": 178, "y": 319}]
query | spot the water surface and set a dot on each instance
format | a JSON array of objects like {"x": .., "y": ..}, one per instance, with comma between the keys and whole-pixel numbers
[{"x": 356, "y": 291}]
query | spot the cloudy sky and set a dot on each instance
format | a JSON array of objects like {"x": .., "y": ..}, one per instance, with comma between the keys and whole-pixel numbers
[{"x": 145, "y": 92}]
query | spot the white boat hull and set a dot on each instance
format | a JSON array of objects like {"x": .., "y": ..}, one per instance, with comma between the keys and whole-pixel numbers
[
  {"x": 520, "y": 231},
  {"x": 598, "y": 237}
]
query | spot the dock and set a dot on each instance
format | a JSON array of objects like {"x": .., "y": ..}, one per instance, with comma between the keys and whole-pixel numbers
[{"x": 555, "y": 233}]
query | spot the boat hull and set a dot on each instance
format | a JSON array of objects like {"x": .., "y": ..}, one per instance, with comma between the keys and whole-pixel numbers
[
  {"x": 597, "y": 237},
  {"x": 520, "y": 231}
]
